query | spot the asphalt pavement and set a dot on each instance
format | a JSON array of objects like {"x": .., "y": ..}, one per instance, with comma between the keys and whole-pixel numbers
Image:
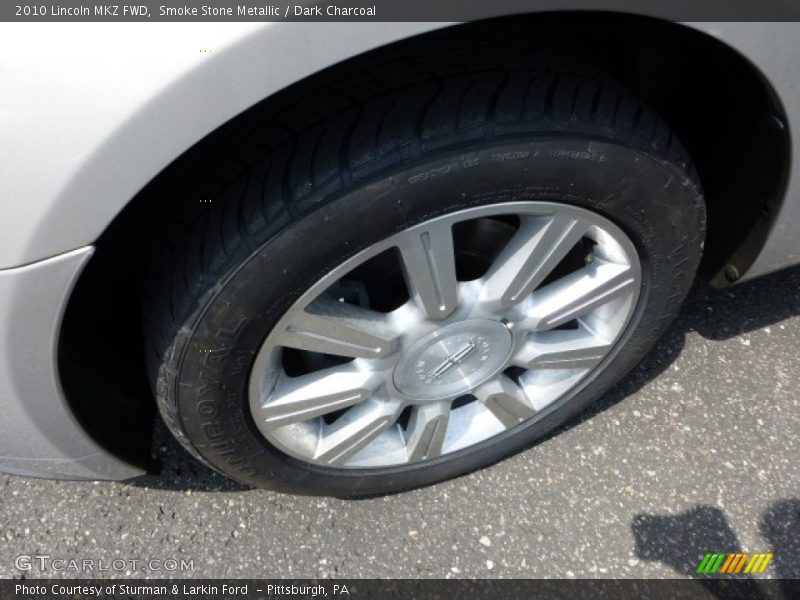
[{"x": 696, "y": 451}]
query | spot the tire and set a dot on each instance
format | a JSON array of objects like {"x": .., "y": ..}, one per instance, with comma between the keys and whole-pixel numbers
[{"x": 293, "y": 207}]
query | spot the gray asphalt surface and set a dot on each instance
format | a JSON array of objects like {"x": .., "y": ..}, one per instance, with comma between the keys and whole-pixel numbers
[{"x": 696, "y": 451}]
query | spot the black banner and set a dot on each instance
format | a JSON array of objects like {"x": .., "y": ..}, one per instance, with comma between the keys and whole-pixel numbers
[
  {"x": 387, "y": 10},
  {"x": 488, "y": 589}
]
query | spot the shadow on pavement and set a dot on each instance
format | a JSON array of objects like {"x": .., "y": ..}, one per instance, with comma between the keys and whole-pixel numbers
[
  {"x": 175, "y": 469},
  {"x": 681, "y": 541}
]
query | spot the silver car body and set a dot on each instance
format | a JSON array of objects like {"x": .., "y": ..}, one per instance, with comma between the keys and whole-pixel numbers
[{"x": 82, "y": 131}]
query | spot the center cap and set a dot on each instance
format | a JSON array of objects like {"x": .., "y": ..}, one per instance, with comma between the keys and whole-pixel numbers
[{"x": 453, "y": 360}]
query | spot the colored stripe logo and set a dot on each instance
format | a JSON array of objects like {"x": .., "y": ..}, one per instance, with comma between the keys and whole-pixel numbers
[{"x": 733, "y": 564}]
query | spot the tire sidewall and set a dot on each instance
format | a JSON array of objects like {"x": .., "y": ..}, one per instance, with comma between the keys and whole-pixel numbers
[{"x": 206, "y": 376}]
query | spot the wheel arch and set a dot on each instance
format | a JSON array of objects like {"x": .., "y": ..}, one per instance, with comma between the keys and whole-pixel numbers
[{"x": 698, "y": 66}]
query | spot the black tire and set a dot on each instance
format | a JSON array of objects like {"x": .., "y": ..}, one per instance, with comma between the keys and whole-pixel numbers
[{"x": 283, "y": 215}]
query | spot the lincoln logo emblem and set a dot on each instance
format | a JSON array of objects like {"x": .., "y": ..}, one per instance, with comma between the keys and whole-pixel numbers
[{"x": 453, "y": 360}]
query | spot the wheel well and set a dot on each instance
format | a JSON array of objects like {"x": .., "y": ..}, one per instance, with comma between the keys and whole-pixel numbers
[{"x": 711, "y": 96}]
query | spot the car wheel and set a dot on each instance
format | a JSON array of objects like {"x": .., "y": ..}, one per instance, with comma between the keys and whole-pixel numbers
[{"x": 425, "y": 283}]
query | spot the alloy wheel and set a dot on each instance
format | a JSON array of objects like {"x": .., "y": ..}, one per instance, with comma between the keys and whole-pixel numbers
[{"x": 498, "y": 313}]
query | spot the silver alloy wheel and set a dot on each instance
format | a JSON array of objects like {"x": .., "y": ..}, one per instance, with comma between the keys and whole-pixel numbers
[{"x": 461, "y": 361}]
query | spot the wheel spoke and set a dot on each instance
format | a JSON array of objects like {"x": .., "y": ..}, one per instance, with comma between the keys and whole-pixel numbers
[
  {"x": 576, "y": 294},
  {"x": 341, "y": 329},
  {"x": 354, "y": 430},
  {"x": 542, "y": 387},
  {"x": 426, "y": 430},
  {"x": 297, "y": 399},
  {"x": 505, "y": 400},
  {"x": 430, "y": 269},
  {"x": 534, "y": 251},
  {"x": 562, "y": 349}
]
